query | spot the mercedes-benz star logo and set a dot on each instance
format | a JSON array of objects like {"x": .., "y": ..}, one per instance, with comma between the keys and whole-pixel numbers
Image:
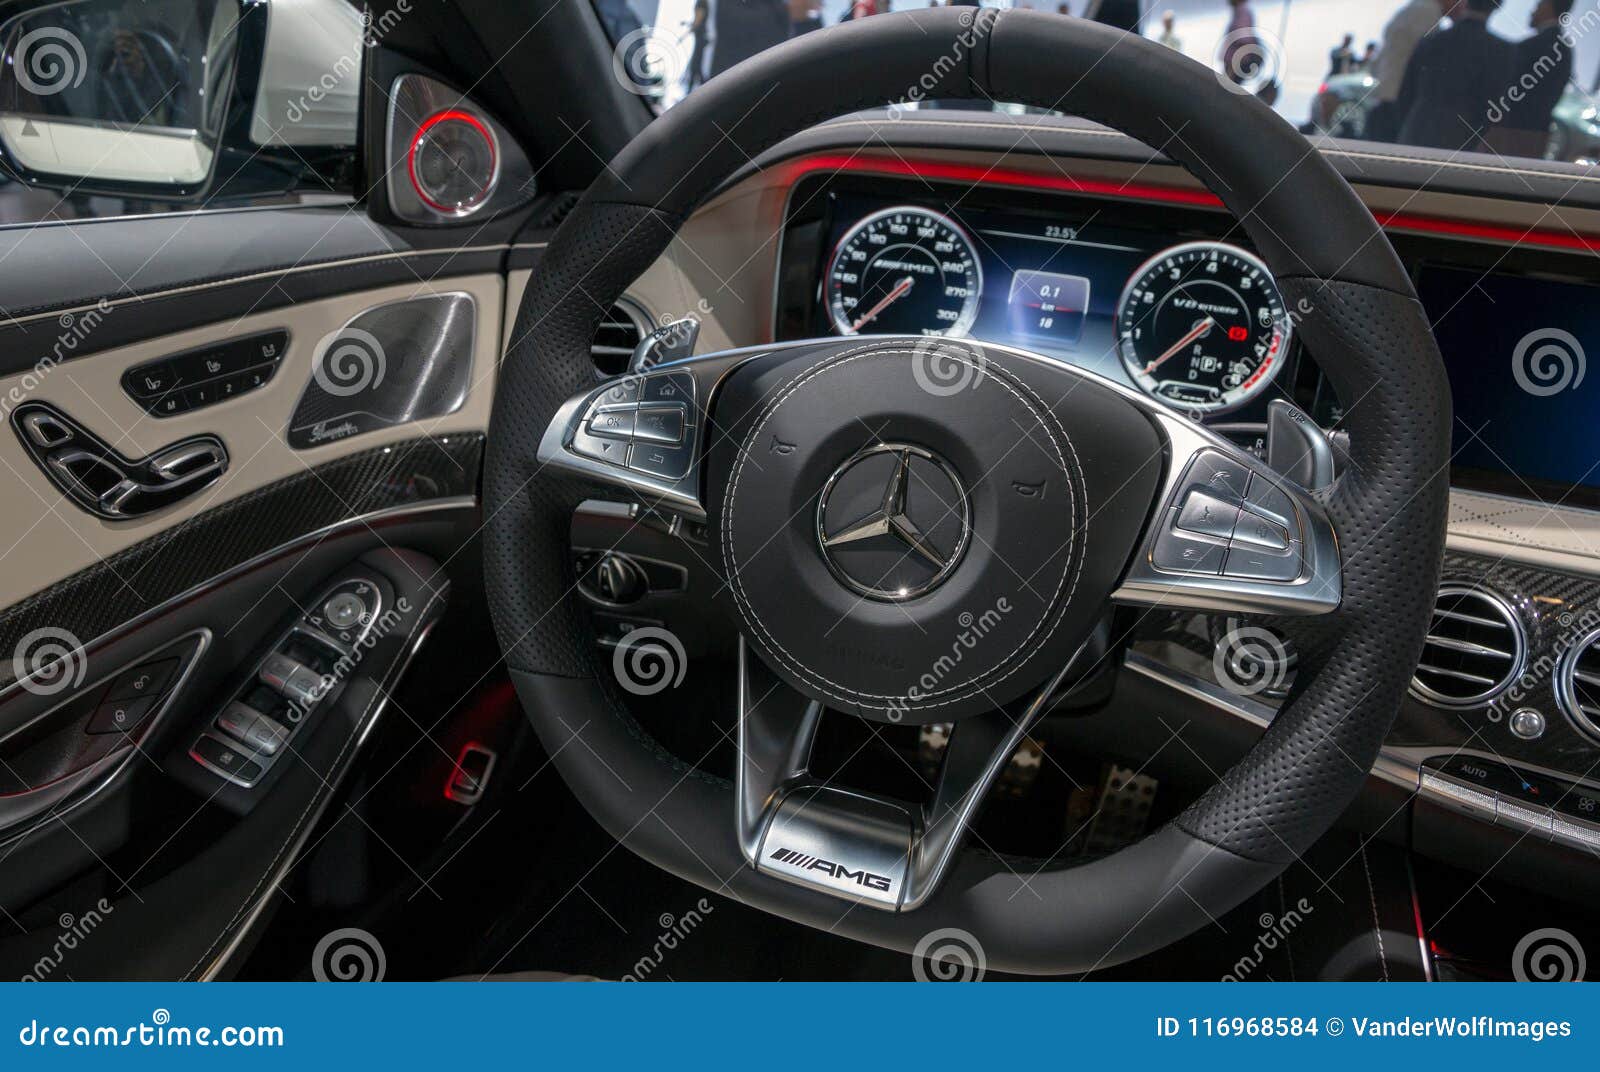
[{"x": 893, "y": 522}]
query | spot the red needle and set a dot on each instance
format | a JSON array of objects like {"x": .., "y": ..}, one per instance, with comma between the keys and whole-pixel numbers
[
  {"x": 1196, "y": 332},
  {"x": 900, "y": 290}
]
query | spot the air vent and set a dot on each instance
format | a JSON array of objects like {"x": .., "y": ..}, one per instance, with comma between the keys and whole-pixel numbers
[
  {"x": 624, "y": 325},
  {"x": 1578, "y": 684},
  {"x": 1475, "y": 648}
]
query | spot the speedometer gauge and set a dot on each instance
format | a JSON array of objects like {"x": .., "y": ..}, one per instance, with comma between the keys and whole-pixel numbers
[
  {"x": 904, "y": 271},
  {"x": 1202, "y": 327}
]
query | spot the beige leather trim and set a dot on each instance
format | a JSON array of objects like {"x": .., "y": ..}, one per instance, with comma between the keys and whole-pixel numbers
[
  {"x": 45, "y": 538},
  {"x": 1520, "y": 530}
]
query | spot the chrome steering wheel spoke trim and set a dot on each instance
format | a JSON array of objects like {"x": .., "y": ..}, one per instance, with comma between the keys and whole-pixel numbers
[
  {"x": 882, "y": 853},
  {"x": 1230, "y": 534}
]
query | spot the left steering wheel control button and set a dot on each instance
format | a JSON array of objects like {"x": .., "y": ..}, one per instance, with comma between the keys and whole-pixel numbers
[
  {"x": 1179, "y": 552},
  {"x": 659, "y": 424},
  {"x": 659, "y": 459},
  {"x": 668, "y": 387},
  {"x": 612, "y": 423},
  {"x": 601, "y": 448}
]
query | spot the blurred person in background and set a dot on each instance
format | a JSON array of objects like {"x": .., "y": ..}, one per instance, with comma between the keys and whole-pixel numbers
[
  {"x": 1541, "y": 68},
  {"x": 1401, "y": 35},
  {"x": 1342, "y": 59},
  {"x": 804, "y": 16},
  {"x": 1168, "y": 36},
  {"x": 1367, "y": 57},
  {"x": 1453, "y": 78},
  {"x": 1241, "y": 46}
]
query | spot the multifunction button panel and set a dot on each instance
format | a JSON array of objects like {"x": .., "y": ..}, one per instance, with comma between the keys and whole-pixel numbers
[
  {"x": 206, "y": 376},
  {"x": 642, "y": 423},
  {"x": 304, "y": 672},
  {"x": 1231, "y": 522},
  {"x": 1546, "y": 808}
]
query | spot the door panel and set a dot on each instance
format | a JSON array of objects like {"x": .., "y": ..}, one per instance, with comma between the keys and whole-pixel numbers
[{"x": 47, "y": 539}]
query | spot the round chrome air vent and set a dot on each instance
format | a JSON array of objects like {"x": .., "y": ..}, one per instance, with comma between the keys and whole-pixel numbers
[
  {"x": 1577, "y": 684},
  {"x": 1476, "y": 647}
]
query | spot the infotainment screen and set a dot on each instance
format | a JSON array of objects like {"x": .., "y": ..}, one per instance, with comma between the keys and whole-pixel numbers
[{"x": 1527, "y": 407}]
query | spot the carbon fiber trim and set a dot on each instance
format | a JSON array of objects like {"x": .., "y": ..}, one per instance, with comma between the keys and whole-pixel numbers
[
  {"x": 104, "y": 596},
  {"x": 1557, "y": 609}
]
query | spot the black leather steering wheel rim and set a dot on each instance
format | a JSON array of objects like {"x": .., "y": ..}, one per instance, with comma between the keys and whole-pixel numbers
[{"x": 1355, "y": 311}]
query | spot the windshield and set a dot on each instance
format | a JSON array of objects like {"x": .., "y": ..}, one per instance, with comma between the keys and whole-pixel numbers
[{"x": 1514, "y": 79}]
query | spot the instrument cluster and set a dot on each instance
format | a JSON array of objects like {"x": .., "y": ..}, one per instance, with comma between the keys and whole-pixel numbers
[{"x": 1199, "y": 325}]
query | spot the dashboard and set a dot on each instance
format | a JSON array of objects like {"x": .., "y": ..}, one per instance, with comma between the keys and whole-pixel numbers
[
  {"x": 1170, "y": 300},
  {"x": 1195, "y": 321}
]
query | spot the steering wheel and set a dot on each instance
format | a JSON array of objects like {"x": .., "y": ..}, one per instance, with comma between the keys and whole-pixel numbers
[{"x": 927, "y": 530}]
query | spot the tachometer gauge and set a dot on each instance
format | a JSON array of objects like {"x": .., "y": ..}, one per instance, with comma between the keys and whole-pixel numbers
[
  {"x": 1202, "y": 327},
  {"x": 904, "y": 271}
]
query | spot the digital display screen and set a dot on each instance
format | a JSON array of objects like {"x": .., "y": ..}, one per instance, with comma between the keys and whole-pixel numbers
[
  {"x": 1049, "y": 283},
  {"x": 1516, "y": 349}
]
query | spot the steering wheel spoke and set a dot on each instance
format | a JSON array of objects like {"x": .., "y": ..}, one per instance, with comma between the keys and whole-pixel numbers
[
  {"x": 1232, "y": 535},
  {"x": 883, "y": 853}
]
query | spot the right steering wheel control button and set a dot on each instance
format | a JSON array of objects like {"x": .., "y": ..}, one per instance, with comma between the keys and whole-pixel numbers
[
  {"x": 1178, "y": 552},
  {"x": 1207, "y": 515},
  {"x": 1257, "y": 531},
  {"x": 1221, "y": 477},
  {"x": 1256, "y": 564}
]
